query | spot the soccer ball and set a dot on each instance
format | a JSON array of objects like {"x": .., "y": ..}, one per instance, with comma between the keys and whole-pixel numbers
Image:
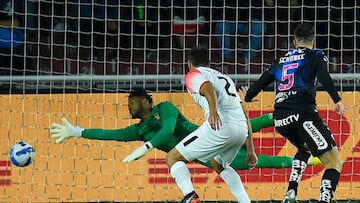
[{"x": 22, "y": 154}]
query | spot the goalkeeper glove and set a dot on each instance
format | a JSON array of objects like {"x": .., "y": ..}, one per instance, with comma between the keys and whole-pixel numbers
[
  {"x": 63, "y": 132},
  {"x": 138, "y": 153}
]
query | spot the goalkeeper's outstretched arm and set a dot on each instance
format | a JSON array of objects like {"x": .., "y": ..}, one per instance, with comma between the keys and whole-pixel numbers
[{"x": 62, "y": 132}]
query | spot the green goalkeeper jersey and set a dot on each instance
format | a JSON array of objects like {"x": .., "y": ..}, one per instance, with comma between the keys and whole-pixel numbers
[{"x": 164, "y": 128}]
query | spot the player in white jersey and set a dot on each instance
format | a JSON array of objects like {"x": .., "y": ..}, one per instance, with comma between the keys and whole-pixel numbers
[
  {"x": 220, "y": 137},
  {"x": 228, "y": 101}
]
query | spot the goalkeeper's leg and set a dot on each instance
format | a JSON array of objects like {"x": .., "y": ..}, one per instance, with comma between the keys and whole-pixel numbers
[
  {"x": 265, "y": 161},
  {"x": 261, "y": 122}
]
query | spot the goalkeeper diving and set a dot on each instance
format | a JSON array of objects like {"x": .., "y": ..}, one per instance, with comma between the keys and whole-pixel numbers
[{"x": 162, "y": 126}]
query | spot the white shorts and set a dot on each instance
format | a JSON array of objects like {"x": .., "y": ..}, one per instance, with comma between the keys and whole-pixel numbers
[{"x": 205, "y": 143}]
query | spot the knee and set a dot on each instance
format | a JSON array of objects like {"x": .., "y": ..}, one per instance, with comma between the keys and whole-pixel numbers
[
  {"x": 173, "y": 156},
  {"x": 339, "y": 166},
  {"x": 335, "y": 164},
  {"x": 331, "y": 159},
  {"x": 216, "y": 166},
  {"x": 170, "y": 158}
]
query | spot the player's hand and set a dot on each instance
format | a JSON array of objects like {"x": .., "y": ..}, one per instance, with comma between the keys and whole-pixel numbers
[
  {"x": 64, "y": 131},
  {"x": 215, "y": 121},
  {"x": 242, "y": 92},
  {"x": 341, "y": 108},
  {"x": 138, "y": 153},
  {"x": 251, "y": 159}
]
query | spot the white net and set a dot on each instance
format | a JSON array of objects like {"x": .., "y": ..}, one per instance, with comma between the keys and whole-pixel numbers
[{"x": 78, "y": 59}]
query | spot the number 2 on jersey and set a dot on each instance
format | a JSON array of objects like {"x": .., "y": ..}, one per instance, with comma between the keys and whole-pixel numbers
[
  {"x": 227, "y": 86},
  {"x": 288, "y": 74}
]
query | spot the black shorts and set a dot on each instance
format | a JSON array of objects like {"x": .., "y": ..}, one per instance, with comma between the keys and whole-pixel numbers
[{"x": 302, "y": 128}]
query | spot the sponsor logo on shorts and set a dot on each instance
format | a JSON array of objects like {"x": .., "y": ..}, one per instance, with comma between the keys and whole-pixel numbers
[
  {"x": 315, "y": 135},
  {"x": 286, "y": 121}
]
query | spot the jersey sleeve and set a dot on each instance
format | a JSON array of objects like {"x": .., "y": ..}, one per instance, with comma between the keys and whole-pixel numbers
[
  {"x": 265, "y": 79},
  {"x": 169, "y": 115},
  {"x": 125, "y": 134},
  {"x": 324, "y": 77},
  {"x": 194, "y": 79}
]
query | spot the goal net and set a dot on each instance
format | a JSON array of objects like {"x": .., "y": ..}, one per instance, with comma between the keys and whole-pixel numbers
[{"x": 79, "y": 60}]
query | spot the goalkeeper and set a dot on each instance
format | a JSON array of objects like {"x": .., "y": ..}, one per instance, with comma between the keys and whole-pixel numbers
[{"x": 162, "y": 126}]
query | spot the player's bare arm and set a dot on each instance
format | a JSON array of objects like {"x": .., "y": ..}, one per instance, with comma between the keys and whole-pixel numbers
[
  {"x": 251, "y": 157},
  {"x": 208, "y": 91}
]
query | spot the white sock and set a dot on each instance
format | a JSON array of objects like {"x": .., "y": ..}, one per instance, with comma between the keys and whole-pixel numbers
[
  {"x": 234, "y": 183},
  {"x": 180, "y": 172}
]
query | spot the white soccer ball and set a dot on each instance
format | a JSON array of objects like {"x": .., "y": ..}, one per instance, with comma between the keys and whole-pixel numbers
[{"x": 22, "y": 154}]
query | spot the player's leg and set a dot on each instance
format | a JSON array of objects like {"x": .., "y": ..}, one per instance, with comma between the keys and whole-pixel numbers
[
  {"x": 189, "y": 149},
  {"x": 264, "y": 161},
  {"x": 293, "y": 131},
  {"x": 180, "y": 172},
  {"x": 221, "y": 164},
  {"x": 330, "y": 179},
  {"x": 204, "y": 144},
  {"x": 263, "y": 121},
  {"x": 319, "y": 140},
  {"x": 232, "y": 180},
  {"x": 299, "y": 165},
  {"x": 267, "y": 161},
  {"x": 322, "y": 145}
]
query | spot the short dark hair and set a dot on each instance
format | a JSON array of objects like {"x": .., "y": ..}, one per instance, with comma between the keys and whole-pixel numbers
[
  {"x": 304, "y": 32},
  {"x": 199, "y": 56},
  {"x": 140, "y": 92}
]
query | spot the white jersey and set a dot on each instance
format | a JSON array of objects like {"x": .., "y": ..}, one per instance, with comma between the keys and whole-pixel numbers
[{"x": 228, "y": 101}]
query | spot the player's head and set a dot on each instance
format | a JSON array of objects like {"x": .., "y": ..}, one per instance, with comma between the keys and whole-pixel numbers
[
  {"x": 304, "y": 35},
  {"x": 139, "y": 103},
  {"x": 198, "y": 56}
]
